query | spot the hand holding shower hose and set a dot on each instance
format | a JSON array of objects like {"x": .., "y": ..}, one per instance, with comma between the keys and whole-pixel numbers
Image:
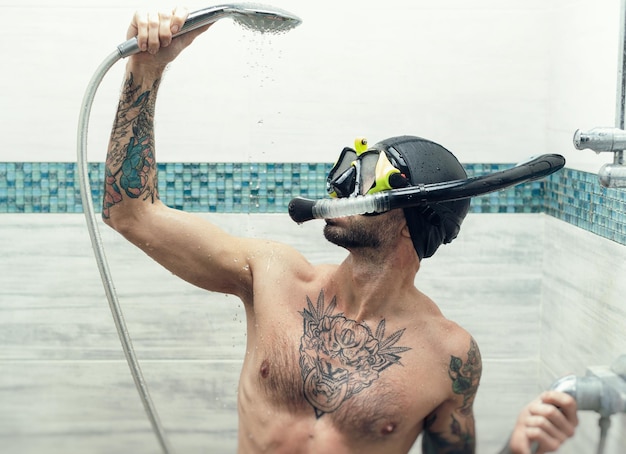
[{"x": 255, "y": 17}]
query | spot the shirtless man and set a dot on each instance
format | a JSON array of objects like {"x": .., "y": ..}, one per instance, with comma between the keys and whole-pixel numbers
[{"x": 347, "y": 358}]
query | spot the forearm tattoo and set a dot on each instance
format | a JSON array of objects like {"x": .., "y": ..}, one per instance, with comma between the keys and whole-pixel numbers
[
  {"x": 460, "y": 436},
  {"x": 130, "y": 168},
  {"x": 340, "y": 357}
]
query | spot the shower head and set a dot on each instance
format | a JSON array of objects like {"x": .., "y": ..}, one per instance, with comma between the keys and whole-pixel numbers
[
  {"x": 251, "y": 16},
  {"x": 262, "y": 18}
]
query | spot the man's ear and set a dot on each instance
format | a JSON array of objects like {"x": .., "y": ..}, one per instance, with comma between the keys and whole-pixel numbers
[{"x": 405, "y": 231}]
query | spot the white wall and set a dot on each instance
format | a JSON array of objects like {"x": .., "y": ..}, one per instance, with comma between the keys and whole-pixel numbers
[{"x": 493, "y": 80}]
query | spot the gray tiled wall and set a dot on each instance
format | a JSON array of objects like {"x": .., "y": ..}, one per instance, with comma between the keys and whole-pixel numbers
[
  {"x": 543, "y": 297},
  {"x": 535, "y": 307},
  {"x": 583, "y": 320}
]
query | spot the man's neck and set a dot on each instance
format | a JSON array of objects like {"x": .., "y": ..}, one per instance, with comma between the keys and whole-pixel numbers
[{"x": 375, "y": 282}]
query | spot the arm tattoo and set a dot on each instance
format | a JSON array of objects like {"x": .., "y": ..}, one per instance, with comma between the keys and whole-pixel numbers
[
  {"x": 340, "y": 357},
  {"x": 130, "y": 167},
  {"x": 466, "y": 377},
  {"x": 460, "y": 437},
  {"x": 437, "y": 443}
]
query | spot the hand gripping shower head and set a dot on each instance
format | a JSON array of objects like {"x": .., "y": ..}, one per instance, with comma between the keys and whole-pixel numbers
[
  {"x": 252, "y": 16},
  {"x": 255, "y": 17}
]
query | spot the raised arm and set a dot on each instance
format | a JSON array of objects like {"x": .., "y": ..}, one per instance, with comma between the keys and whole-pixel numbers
[{"x": 185, "y": 244}]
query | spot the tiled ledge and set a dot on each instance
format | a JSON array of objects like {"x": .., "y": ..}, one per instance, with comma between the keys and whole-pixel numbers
[
  {"x": 52, "y": 187},
  {"x": 578, "y": 198}
]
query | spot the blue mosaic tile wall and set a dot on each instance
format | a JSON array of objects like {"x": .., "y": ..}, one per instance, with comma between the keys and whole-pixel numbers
[
  {"x": 38, "y": 187},
  {"x": 579, "y": 199}
]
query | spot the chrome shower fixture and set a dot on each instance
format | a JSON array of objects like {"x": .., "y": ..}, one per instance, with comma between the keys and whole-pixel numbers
[
  {"x": 612, "y": 175},
  {"x": 601, "y": 140},
  {"x": 602, "y": 389},
  {"x": 611, "y": 139}
]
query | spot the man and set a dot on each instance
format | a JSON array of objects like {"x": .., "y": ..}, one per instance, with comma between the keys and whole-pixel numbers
[{"x": 348, "y": 358}]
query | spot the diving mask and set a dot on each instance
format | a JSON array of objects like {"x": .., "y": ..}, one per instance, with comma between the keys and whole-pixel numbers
[{"x": 360, "y": 171}]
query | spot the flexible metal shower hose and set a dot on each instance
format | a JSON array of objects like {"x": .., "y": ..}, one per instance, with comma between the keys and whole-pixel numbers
[{"x": 96, "y": 242}]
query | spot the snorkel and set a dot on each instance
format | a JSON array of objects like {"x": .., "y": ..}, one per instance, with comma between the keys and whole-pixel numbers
[{"x": 303, "y": 209}]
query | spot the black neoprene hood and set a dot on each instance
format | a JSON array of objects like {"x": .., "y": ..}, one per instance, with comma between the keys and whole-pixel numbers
[{"x": 427, "y": 162}]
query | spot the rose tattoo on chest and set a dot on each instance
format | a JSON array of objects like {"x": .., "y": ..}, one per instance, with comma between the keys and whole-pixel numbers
[{"x": 340, "y": 357}]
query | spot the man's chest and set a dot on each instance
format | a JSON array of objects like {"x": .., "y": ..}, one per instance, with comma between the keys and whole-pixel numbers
[{"x": 366, "y": 378}]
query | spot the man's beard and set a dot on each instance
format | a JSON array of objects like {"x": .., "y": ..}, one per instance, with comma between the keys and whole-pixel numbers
[{"x": 353, "y": 236}]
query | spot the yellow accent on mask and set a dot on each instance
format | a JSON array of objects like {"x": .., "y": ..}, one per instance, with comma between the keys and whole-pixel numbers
[
  {"x": 384, "y": 169},
  {"x": 360, "y": 145}
]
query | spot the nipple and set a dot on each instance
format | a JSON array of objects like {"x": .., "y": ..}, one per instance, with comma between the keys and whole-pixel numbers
[
  {"x": 265, "y": 368},
  {"x": 388, "y": 429}
]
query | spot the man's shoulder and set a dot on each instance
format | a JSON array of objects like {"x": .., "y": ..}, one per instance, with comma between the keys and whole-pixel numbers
[
  {"x": 459, "y": 342},
  {"x": 453, "y": 343},
  {"x": 448, "y": 334},
  {"x": 458, "y": 336},
  {"x": 270, "y": 252}
]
